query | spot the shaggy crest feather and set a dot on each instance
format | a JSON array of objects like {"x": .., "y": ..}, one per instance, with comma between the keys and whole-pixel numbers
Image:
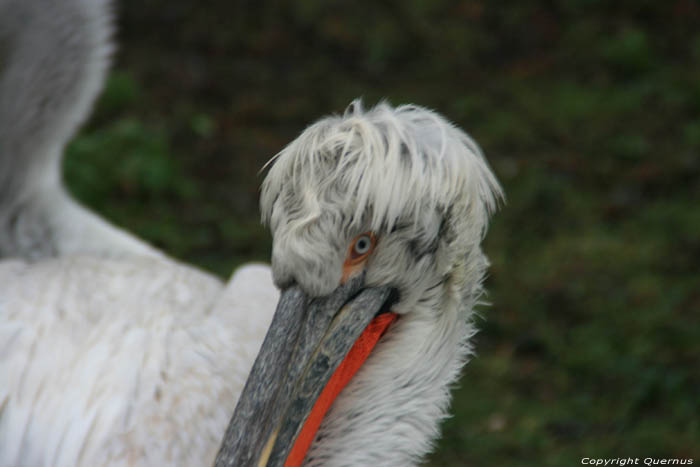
[
  {"x": 392, "y": 160},
  {"x": 387, "y": 169}
]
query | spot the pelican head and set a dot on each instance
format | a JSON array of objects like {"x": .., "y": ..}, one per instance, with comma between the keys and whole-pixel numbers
[{"x": 373, "y": 212}]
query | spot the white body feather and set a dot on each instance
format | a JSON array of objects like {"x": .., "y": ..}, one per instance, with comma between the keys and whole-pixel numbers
[
  {"x": 123, "y": 362},
  {"x": 53, "y": 59}
]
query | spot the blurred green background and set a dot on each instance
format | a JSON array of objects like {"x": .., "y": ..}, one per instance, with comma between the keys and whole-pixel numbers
[{"x": 589, "y": 113}]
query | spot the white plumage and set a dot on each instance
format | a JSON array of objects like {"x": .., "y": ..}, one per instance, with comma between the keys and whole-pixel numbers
[
  {"x": 112, "y": 353},
  {"x": 123, "y": 361}
]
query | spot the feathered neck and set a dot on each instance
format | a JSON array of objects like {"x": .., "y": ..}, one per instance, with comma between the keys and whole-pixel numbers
[{"x": 390, "y": 412}]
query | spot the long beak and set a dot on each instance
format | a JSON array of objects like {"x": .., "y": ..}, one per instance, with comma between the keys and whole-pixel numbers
[{"x": 307, "y": 340}]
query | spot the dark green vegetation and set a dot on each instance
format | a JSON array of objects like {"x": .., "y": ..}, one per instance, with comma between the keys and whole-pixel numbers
[{"x": 588, "y": 111}]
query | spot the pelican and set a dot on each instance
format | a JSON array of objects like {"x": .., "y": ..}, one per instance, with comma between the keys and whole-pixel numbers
[{"x": 341, "y": 353}]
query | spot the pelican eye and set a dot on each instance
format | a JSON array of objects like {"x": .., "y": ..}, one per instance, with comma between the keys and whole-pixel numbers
[{"x": 361, "y": 247}]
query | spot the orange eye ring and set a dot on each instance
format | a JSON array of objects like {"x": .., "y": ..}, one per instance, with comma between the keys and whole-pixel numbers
[{"x": 361, "y": 247}]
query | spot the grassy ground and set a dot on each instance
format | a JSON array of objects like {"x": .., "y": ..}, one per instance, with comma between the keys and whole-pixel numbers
[{"x": 589, "y": 112}]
